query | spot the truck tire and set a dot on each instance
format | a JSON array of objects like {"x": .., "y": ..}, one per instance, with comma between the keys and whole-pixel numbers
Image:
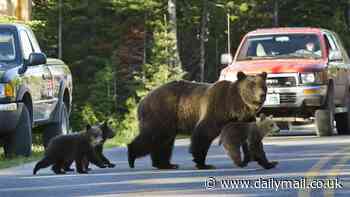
[
  {"x": 323, "y": 122},
  {"x": 324, "y": 117},
  {"x": 20, "y": 141},
  {"x": 343, "y": 119},
  {"x": 57, "y": 128}
]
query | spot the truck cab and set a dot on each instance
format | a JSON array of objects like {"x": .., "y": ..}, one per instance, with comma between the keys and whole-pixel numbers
[
  {"x": 34, "y": 91},
  {"x": 308, "y": 74}
]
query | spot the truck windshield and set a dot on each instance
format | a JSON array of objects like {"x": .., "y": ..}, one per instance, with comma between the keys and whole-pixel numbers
[
  {"x": 7, "y": 46},
  {"x": 281, "y": 46}
]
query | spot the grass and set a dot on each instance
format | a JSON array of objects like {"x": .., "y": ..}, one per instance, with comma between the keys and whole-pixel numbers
[{"x": 37, "y": 153}]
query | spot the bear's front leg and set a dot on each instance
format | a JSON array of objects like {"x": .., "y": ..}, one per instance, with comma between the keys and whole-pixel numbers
[
  {"x": 246, "y": 154},
  {"x": 93, "y": 158},
  {"x": 99, "y": 152},
  {"x": 201, "y": 140},
  {"x": 260, "y": 156}
]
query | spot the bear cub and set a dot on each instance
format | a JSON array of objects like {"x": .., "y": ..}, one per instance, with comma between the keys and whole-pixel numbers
[
  {"x": 249, "y": 136},
  {"x": 107, "y": 133},
  {"x": 79, "y": 147}
]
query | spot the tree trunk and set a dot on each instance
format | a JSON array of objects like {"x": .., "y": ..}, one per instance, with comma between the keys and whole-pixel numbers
[
  {"x": 275, "y": 13},
  {"x": 173, "y": 33},
  {"x": 203, "y": 38}
]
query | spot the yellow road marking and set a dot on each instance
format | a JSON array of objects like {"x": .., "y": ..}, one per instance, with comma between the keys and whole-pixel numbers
[
  {"x": 335, "y": 171},
  {"x": 314, "y": 172}
]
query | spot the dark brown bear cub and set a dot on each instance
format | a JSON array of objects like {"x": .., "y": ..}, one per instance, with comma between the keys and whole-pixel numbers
[
  {"x": 249, "y": 136},
  {"x": 77, "y": 147},
  {"x": 107, "y": 133}
]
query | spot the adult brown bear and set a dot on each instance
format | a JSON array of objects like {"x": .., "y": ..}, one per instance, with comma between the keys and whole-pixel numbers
[{"x": 199, "y": 108}]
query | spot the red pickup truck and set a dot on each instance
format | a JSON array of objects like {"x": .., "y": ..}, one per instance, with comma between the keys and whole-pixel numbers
[{"x": 308, "y": 74}]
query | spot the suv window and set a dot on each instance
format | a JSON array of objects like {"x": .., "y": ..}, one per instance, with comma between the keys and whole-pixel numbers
[
  {"x": 27, "y": 47},
  {"x": 278, "y": 46},
  {"x": 33, "y": 41},
  {"x": 331, "y": 42},
  {"x": 7, "y": 46}
]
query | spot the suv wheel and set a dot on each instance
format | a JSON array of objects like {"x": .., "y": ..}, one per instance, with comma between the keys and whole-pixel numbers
[
  {"x": 325, "y": 117},
  {"x": 20, "y": 141},
  {"x": 57, "y": 128}
]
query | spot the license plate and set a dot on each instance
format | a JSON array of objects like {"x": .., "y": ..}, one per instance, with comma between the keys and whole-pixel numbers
[{"x": 272, "y": 99}]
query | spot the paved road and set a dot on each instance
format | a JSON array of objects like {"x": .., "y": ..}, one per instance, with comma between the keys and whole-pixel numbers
[{"x": 325, "y": 162}]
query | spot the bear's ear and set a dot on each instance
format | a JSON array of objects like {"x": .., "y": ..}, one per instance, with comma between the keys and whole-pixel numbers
[
  {"x": 88, "y": 127},
  {"x": 263, "y": 75},
  {"x": 262, "y": 116},
  {"x": 241, "y": 75}
]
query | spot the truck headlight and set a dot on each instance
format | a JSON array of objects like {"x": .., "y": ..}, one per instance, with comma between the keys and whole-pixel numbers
[
  {"x": 308, "y": 78},
  {"x": 6, "y": 90}
]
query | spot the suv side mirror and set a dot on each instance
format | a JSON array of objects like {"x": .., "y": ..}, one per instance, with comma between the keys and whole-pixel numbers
[
  {"x": 226, "y": 59},
  {"x": 334, "y": 55},
  {"x": 36, "y": 59}
]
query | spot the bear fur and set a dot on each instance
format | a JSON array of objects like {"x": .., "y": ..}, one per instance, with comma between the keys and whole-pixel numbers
[
  {"x": 78, "y": 147},
  {"x": 198, "y": 108},
  {"x": 107, "y": 133},
  {"x": 249, "y": 136}
]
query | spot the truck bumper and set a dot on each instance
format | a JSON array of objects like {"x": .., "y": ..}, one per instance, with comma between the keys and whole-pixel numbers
[
  {"x": 9, "y": 116},
  {"x": 294, "y": 101}
]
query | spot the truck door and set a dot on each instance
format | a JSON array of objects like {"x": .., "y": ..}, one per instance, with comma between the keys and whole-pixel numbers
[
  {"x": 38, "y": 79},
  {"x": 337, "y": 69}
]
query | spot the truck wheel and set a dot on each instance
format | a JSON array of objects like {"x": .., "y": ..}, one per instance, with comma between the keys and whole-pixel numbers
[
  {"x": 20, "y": 141},
  {"x": 57, "y": 128},
  {"x": 323, "y": 122},
  {"x": 325, "y": 117},
  {"x": 343, "y": 119}
]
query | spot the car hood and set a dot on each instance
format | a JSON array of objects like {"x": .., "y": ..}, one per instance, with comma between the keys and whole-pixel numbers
[
  {"x": 7, "y": 72},
  {"x": 276, "y": 66}
]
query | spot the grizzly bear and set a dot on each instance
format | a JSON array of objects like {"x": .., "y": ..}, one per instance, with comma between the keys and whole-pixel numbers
[
  {"x": 107, "y": 133},
  {"x": 78, "y": 147},
  {"x": 249, "y": 136},
  {"x": 199, "y": 108}
]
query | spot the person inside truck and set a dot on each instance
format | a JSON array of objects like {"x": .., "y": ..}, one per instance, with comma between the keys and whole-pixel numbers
[{"x": 310, "y": 48}]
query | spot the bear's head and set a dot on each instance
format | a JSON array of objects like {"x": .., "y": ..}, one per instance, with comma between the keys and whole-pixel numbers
[
  {"x": 252, "y": 89},
  {"x": 266, "y": 125},
  {"x": 94, "y": 134},
  {"x": 107, "y": 131}
]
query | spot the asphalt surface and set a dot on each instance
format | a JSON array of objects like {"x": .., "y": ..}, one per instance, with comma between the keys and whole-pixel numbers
[{"x": 304, "y": 162}]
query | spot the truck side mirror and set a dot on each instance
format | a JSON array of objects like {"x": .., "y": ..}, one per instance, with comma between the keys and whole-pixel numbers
[
  {"x": 226, "y": 59},
  {"x": 36, "y": 59},
  {"x": 334, "y": 55}
]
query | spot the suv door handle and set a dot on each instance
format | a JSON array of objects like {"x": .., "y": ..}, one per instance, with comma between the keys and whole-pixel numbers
[{"x": 45, "y": 77}]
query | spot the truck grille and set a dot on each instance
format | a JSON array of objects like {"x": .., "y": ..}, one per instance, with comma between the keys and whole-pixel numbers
[
  {"x": 288, "y": 97},
  {"x": 281, "y": 82}
]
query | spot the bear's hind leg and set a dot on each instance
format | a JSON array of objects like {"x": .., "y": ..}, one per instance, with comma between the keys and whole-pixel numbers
[
  {"x": 45, "y": 162},
  {"x": 57, "y": 167},
  {"x": 235, "y": 154},
  {"x": 67, "y": 165},
  {"x": 139, "y": 147},
  {"x": 161, "y": 155}
]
